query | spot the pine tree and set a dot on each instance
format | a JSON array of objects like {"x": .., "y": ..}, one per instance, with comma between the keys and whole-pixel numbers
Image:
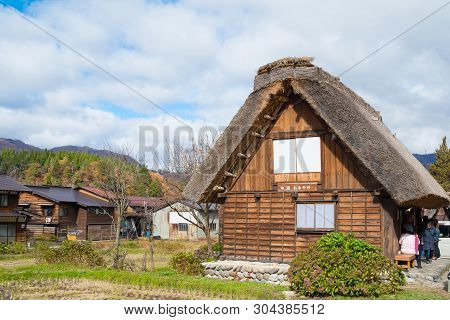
[
  {"x": 440, "y": 169},
  {"x": 155, "y": 188}
]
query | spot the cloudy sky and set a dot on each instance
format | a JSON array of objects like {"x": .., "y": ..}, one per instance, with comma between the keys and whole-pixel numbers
[{"x": 197, "y": 59}]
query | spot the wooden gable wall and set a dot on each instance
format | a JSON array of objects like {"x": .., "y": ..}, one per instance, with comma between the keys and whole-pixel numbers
[{"x": 339, "y": 168}]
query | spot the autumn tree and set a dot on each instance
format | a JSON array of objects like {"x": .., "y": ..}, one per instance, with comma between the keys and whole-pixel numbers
[
  {"x": 119, "y": 175},
  {"x": 440, "y": 169},
  {"x": 185, "y": 160}
]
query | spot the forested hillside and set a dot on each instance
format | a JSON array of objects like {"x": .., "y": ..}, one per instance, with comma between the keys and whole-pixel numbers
[{"x": 67, "y": 168}]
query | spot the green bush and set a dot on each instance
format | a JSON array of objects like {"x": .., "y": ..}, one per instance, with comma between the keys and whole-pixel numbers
[
  {"x": 17, "y": 248},
  {"x": 186, "y": 262},
  {"x": 202, "y": 252},
  {"x": 71, "y": 252},
  {"x": 340, "y": 264},
  {"x": 13, "y": 248}
]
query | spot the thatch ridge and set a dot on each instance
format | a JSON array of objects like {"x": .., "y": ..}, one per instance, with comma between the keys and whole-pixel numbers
[
  {"x": 355, "y": 122},
  {"x": 286, "y": 62}
]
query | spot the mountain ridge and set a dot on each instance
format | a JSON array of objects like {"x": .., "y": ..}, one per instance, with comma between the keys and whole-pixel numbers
[{"x": 19, "y": 145}]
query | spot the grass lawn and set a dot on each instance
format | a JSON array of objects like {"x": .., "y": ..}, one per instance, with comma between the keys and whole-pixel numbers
[
  {"x": 22, "y": 278},
  {"x": 162, "y": 278}
]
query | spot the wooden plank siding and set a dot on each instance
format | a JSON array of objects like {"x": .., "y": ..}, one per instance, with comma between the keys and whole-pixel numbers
[
  {"x": 263, "y": 228},
  {"x": 13, "y": 199},
  {"x": 259, "y": 222}
]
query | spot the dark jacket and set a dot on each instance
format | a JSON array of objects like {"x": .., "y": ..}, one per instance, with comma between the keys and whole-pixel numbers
[
  {"x": 428, "y": 239},
  {"x": 436, "y": 234}
]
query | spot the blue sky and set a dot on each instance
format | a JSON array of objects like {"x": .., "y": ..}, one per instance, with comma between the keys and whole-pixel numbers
[
  {"x": 19, "y": 4},
  {"x": 197, "y": 60}
]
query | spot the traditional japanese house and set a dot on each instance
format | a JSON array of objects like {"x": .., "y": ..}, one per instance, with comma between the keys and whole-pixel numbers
[
  {"x": 304, "y": 156},
  {"x": 135, "y": 222},
  {"x": 12, "y": 220},
  {"x": 61, "y": 210}
]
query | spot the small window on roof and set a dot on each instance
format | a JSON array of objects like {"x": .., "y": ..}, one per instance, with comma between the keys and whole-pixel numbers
[{"x": 297, "y": 155}]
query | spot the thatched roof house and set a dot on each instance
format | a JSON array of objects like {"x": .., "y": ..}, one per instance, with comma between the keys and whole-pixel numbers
[{"x": 353, "y": 121}]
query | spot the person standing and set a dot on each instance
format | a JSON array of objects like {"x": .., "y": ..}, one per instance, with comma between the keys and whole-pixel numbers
[
  {"x": 428, "y": 242},
  {"x": 436, "y": 234}
]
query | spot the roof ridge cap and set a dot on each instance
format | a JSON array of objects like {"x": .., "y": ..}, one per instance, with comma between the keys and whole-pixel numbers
[{"x": 286, "y": 62}]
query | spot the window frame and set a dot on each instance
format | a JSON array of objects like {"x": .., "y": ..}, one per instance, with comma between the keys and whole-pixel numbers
[
  {"x": 10, "y": 237},
  {"x": 65, "y": 211},
  {"x": 316, "y": 230},
  {"x": 4, "y": 196},
  {"x": 295, "y": 141},
  {"x": 182, "y": 229},
  {"x": 48, "y": 207},
  {"x": 211, "y": 228}
]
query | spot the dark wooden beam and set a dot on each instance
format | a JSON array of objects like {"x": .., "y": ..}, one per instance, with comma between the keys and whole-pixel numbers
[
  {"x": 296, "y": 134},
  {"x": 257, "y": 134},
  {"x": 229, "y": 174},
  {"x": 243, "y": 156}
]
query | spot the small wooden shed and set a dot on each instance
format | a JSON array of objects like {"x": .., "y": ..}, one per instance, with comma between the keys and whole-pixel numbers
[{"x": 305, "y": 156}]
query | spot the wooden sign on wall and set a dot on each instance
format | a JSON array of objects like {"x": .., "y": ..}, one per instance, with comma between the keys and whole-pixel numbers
[{"x": 297, "y": 186}]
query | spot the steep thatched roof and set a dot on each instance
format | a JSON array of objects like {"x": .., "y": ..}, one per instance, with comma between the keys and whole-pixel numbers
[{"x": 357, "y": 125}]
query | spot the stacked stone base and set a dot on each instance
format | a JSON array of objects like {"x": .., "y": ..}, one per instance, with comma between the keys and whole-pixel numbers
[{"x": 273, "y": 273}]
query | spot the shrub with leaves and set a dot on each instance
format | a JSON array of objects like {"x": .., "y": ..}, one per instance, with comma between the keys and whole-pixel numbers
[
  {"x": 13, "y": 248},
  {"x": 186, "y": 262},
  {"x": 202, "y": 252},
  {"x": 3, "y": 248},
  {"x": 71, "y": 252},
  {"x": 340, "y": 264}
]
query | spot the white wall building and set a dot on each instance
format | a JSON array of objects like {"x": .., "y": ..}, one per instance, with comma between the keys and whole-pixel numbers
[{"x": 168, "y": 224}]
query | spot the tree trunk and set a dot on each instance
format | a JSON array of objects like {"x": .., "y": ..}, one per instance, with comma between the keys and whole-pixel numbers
[
  {"x": 208, "y": 232},
  {"x": 151, "y": 247},
  {"x": 150, "y": 238},
  {"x": 209, "y": 240},
  {"x": 116, "y": 247}
]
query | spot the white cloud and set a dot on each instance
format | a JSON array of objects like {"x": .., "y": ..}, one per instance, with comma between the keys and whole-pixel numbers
[{"x": 205, "y": 54}]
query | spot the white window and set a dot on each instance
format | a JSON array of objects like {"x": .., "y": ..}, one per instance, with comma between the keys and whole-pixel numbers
[
  {"x": 297, "y": 155},
  {"x": 318, "y": 216}
]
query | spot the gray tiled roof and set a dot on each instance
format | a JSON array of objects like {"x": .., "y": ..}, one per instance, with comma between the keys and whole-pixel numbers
[
  {"x": 67, "y": 194},
  {"x": 9, "y": 184}
]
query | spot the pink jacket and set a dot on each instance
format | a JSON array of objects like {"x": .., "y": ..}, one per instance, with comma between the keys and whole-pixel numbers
[{"x": 409, "y": 244}]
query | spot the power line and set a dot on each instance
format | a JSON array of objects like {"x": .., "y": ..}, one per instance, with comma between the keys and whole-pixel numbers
[
  {"x": 394, "y": 38},
  {"x": 116, "y": 78}
]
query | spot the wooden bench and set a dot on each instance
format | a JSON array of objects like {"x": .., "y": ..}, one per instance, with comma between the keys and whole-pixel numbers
[{"x": 408, "y": 258}]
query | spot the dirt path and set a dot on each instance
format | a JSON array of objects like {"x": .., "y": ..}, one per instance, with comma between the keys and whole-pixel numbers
[
  {"x": 17, "y": 263},
  {"x": 80, "y": 289}
]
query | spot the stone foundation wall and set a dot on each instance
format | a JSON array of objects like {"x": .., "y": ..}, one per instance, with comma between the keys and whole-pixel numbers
[{"x": 274, "y": 273}]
